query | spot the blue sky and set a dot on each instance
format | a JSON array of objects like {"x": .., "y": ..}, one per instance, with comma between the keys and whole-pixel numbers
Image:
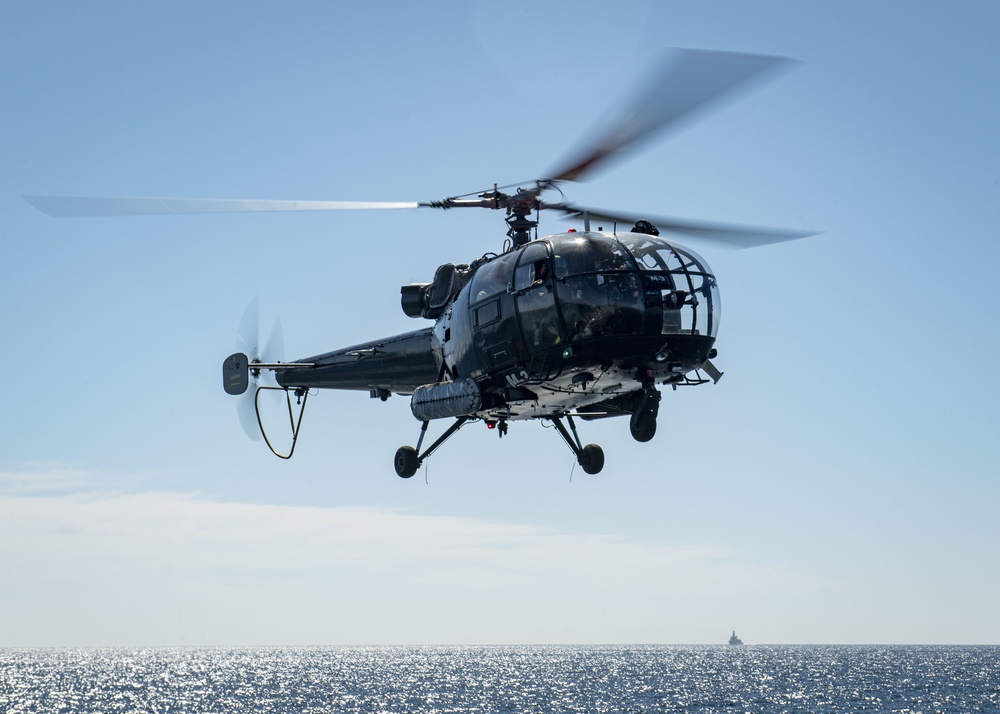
[{"x": 838, "y": 485}]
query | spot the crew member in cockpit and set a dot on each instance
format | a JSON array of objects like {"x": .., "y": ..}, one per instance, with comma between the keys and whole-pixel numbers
[{"x": 541, "y": 270}]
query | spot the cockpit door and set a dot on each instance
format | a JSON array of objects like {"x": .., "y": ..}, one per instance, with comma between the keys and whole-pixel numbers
[{"x": 535, "y": 298}]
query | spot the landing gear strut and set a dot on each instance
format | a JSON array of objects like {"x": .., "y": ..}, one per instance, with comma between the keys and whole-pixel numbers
[
  {"x": 590, "y": 457},
  {"x": 408, "y": 459},
  {"x": 643, "y": 421}
]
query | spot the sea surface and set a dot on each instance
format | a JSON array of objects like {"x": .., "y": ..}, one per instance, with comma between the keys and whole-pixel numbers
[{"x": 504, "y": 679}]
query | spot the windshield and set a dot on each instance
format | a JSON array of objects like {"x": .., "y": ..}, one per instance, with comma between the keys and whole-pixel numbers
[
  {"x": 598, "y": 286},
  {"x": 588, "y": 253},
  {"x": 689, "y": 295}
]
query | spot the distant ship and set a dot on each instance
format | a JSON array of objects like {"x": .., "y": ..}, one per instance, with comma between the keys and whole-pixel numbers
[{"x": 734, "y": 640}]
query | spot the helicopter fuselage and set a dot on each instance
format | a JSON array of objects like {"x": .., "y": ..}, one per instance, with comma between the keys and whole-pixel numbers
[{"x": 571, "y": 323}]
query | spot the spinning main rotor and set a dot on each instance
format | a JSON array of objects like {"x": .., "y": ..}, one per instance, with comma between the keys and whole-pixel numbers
[{"x": 684, "y": 84}]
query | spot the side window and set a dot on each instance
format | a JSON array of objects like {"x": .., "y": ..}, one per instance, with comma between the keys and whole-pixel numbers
[
  {"x": 487, "y": 313},
  {"x": 533, "y": 267},
  {"x": 492, "y": 278}
]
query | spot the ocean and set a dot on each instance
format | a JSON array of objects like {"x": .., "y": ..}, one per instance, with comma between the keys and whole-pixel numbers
[{"x": 538, "y": 679}]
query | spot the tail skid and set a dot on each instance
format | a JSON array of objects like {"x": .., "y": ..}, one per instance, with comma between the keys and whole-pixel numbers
[
  {"x": 238, "y": 371},
  {"x": 301, "y": 396}
]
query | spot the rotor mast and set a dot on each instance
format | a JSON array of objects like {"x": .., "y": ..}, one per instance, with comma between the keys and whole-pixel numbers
[{"x": 519, "y": 207}]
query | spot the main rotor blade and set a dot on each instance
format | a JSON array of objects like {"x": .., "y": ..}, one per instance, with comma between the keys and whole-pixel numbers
[
  {"x": 730, "y": 235},
  {"x": 82, "y": 206},
  {"x": 685, "y": 82}
]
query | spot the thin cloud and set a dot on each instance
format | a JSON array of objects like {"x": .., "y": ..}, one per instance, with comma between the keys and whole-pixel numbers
[
  {"x": 43, "y": 477},
  {"x": 173, "y": 568}
]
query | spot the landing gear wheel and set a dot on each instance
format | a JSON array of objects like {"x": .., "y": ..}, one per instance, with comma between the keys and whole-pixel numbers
[
  {"x": 406, "y": 461},
  {"x": 643, "y": 424},
  {"x": 643, "y": 421},
  {"x": 591, "y": 458}
]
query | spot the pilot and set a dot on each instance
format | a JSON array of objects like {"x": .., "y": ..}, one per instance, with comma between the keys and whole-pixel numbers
[{"x": 541, "y": 272}]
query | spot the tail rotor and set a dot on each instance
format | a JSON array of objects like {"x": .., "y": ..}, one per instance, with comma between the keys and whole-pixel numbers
[{"x": 248, "y": 343}]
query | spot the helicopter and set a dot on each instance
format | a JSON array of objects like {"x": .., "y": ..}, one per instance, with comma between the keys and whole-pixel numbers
[{"x": 576, "y": 325}]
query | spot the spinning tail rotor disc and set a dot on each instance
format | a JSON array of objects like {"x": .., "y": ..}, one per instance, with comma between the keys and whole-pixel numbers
[{"x": 248, "y": 342}]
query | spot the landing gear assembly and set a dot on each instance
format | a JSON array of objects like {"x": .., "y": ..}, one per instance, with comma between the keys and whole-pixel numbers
[
  {"x": 590, "y": 457},
  {"x": 408, "y": 459},
  {"x": 642, "y": 424}
]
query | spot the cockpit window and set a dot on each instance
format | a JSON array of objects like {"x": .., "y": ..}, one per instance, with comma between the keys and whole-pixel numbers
[
  {"x": 585, "y": 255},
  {"x": 599, "y": 290},
  {"x": 533, "y": 267},
  {"x": 492, "y": 278},
  {"x": 689, "y": 294},
  {"x": 653, "y": 254}
]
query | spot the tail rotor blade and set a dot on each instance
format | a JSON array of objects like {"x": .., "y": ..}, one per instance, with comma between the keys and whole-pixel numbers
[
  {"x": 248, "y": 333},
  {"x": 246, "y": 410},
  {"x": 274, "y": 348},
  {"x": 248, "y": 342}
]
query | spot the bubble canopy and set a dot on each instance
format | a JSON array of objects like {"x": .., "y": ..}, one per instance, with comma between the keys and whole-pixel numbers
[
  {"x": 629, "y": 284},
  {"x": 690, "y": 278}
]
